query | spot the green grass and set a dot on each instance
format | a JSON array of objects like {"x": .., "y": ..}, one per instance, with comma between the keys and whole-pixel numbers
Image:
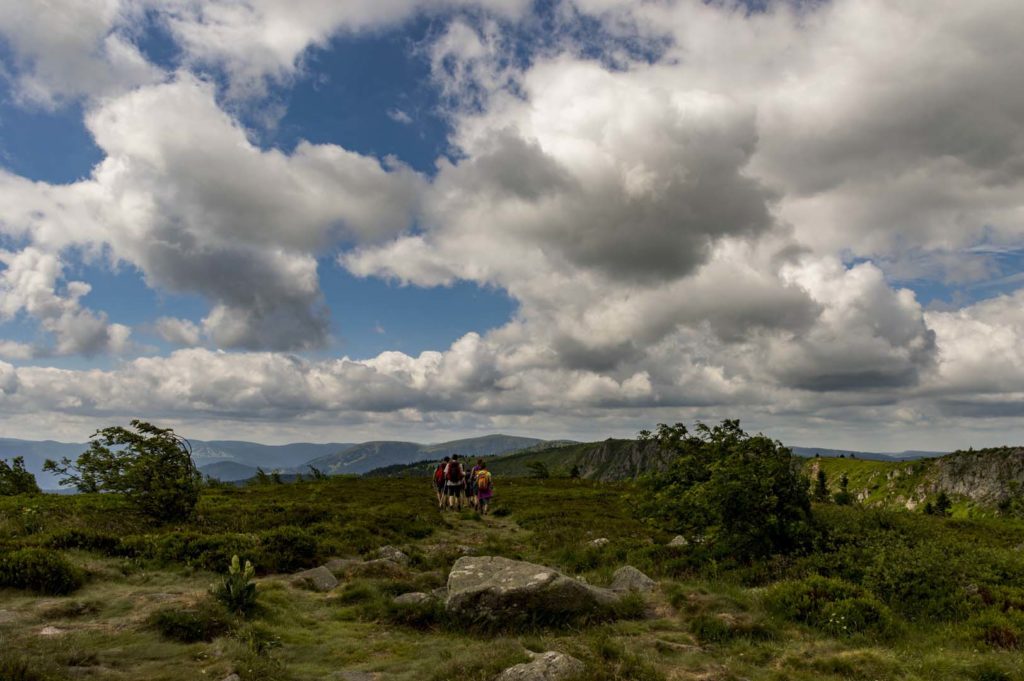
[{"x": 953, "y": 589}]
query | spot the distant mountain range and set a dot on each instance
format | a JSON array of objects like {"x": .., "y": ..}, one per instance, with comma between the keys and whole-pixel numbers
[
  {"x": 365, "y": 457},
  {"x": 233, "y": 460},
  {"x": 613, "y": 459}
]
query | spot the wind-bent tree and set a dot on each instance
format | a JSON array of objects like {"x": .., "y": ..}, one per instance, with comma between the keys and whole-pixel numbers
[
  {"x": 742, "y": 496},
  {"x": 151, "y": 466},
  {"x": 14, "y": 479}
]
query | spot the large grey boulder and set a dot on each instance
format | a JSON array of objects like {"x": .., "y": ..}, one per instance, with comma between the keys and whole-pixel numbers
[
  {"x": 549, "y": 666},
  {"x": 628, "y": 578},
  {"x": 317, "y": 579},
  {"x": 491, "y": 589}
]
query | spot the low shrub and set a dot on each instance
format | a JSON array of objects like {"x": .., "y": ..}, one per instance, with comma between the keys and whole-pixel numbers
[
  {"x": 15, "y": 667},
  {"x": 609, "y": 660},
  {"x": 831, "y": 605},
  {"x": 998, "y": 630},
  {"x": 287, "y": 549},
  {"x": 723, "y": 628},
  {"x": 205, "y": 622},
  {"x": 40, "y": 570},
  {"x": 88, "y": 540}
]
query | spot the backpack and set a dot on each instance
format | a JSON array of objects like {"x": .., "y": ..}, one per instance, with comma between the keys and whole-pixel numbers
[
  {"x": 455, "y": 472},
  {"x": 483, "y": 481},
  {"x": 439, "y": 473}
]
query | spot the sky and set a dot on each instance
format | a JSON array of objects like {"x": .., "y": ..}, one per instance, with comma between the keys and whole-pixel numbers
[{"x": 310, "y": 220}]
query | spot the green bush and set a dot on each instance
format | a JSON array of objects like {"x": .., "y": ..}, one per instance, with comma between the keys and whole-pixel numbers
[
  {"x": 922, "y": 581},
  {"x": 89, "y": 540},
  {"x": 287, "y": 549},
  {"x": 998, "y": 630},
  {"x": 741, "y": 495},
  {"x": 15, "y": 667},
  {"x": 724, "y": 628},
  {"x": 39, "y": 570},
  {"x": 830, "y": 605},
  {"x": 204, "y": 622}
]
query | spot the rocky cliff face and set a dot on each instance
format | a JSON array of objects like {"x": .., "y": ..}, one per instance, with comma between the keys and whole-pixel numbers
[
  {"x": 987, "y": 476},
  {"x": 620, "y": 460}
]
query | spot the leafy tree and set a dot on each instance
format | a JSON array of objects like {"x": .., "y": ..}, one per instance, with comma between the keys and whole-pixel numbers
[
  {"x": 821, "y": 493},
  {"x": 151, "y": 466},
  {"x": 261, "y": 477},
  {"x": 575, "y": 472},
  {"x": 943, "y": 505},
  {"x": 275, "y": 477},
  {"x": 538, "y": 469},
  {"x": 14, "y": 479},
  {"x": 843, "y": 497},
  {"x": 317, "y": 473},
  {"x": 741, "y": 495}
]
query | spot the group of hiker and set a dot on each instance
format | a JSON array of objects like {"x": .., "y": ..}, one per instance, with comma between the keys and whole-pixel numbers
[{"x": 454, "y": 484}]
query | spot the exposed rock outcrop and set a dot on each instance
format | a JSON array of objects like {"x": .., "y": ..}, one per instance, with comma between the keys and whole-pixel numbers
[
  {"x": 628, "y": 578},
  {"x": 316, "y": 579},
  {"x": 491, "y": 589},
  {"x": 549, "y": 666}
]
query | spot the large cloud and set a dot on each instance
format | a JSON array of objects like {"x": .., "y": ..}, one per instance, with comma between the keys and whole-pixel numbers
[{"x": 184, "y": 195}]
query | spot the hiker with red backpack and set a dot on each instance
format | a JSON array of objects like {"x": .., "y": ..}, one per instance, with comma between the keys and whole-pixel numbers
[
  {"x": 439, "y": 481},
  {"x": 484, "y": 488},
  {"x": 455, "y": 482}
]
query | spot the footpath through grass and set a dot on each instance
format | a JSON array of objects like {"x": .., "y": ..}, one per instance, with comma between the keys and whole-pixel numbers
[{"x": 884, "y": 595}]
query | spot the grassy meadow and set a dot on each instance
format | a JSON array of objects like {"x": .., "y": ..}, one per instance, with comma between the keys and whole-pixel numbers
[{"x": 96, "y": 591}]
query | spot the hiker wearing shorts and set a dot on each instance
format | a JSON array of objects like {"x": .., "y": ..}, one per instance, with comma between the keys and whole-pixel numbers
[
  {"x": 439, "y": 481},
  {"x": 484, "y": 488},
  {"x": 471, "y": 485},
  {"x": 455, "y": 482}
]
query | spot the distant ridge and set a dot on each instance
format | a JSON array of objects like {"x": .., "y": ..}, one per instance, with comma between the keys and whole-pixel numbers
[{"x": 372, "y": 455}]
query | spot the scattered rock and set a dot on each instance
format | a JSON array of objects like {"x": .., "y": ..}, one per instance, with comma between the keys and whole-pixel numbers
[
  {"x": 317, "y": 579},
  {"x": 51, "y": 631},
  {"x": 393, "y": 554},
  {"x": 491, "y": 588},
  {"x": 549, "y": 666},
  {"x": 599, "y": 542},
  {"x": 413, "y": 598},
  {"x": 379, "y": 568},
  {"x": 679, "y": 540},
  {"x": 233, "y": 677},
  {"x": 628, "y": 578}
]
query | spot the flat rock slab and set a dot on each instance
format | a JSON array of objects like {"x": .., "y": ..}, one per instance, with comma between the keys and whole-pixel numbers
[
  {"x": 317, "y": 579},
  {"x": 549, "y": 666},
  {"x": 413, "y": 598},
  {"x": 498, "y": 590},
  {"x": 628, "y": 578}
]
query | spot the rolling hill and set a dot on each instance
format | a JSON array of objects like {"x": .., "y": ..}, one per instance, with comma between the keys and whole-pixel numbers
[{"x": 372, "y": 455}]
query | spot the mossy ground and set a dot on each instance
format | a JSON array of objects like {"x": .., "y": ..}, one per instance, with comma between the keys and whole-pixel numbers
[{"x": 708, "y": 620}]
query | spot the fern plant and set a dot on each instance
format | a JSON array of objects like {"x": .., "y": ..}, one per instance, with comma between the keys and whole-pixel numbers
[{"x": 237, "y": 591}]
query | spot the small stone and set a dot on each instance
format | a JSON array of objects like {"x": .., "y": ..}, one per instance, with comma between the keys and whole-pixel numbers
[
  {"x": 393, "y": 554},
  {"x": 50, "y": 631},
  {"x": 413, "y": 598},
  {"x": 679, "y": 540},
  {"x": 628, "y": 578},
  {"x": 599, "y": 542},
  {"x": 317, "y": 579},
  {"x": 233, "y": 677},
  {"x": 549, "y": 666}
]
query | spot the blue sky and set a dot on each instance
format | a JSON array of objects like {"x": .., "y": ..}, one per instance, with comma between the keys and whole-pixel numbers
[{"x": 565, "y": 218}]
